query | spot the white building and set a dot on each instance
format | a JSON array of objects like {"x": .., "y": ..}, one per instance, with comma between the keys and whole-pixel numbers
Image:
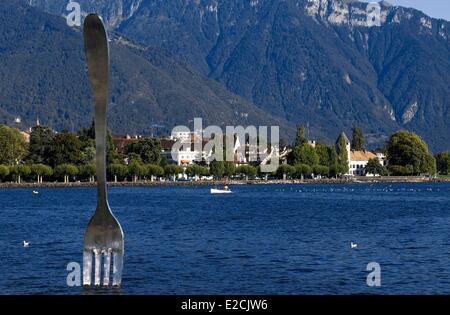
[
  {"x": 187, "y": 156},
  {"x": 357, "y": 160}
]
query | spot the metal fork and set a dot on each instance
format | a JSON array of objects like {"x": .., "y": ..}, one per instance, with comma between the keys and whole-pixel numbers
[{"x": 104, "y": 235}]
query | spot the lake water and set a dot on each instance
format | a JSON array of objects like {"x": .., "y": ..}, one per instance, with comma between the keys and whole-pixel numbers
[{"x": 262, "y": 239}]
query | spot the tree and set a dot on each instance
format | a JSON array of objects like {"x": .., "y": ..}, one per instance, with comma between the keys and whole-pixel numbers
[
  {"x": 246, "y": 170},
  {"x": 342, "y": 154},
  {"x": 13, "y": 147},
  {"x": 87, "y": 137},
  {"x": 41, "y": 139},
  {"x": 300, "y": 138},
  {"x": 321, "y": 170},
  {"x": 65, "y": 149},
  {"x": 173, "y": 170},
  {"x": 4, "y": 171},
  {"x": 443, "y": 163},
  {"x": 285, "y": 170},
  {"x": 66, "y": 171},
  {"x": 134, "y": 157},
  {"x": 196, "y": 171},
  {"x": 229, "y": 169},
  {"x": 327, "y": 154},
  {"x": 374, "y": 167},
  {"x": 154, "y": 170},
  {"x": 305, "y": 154},
  {"x": 88, "y": 171},
  {"x": 19, "y": 171},
  {"x": 117, "y": 170},
  {"x": 136, "y": 169},
  {"x": 217, "y": 169},
  {"x": 358, "y": 142},
  {"x": 148, "y": 149},
  {"x": 408, "y": 150},
  {"x": 40, "y": 170},
  {"x": 303, "y": 170},
  {"x": 88, "y": 155},
  {"x": 398, "y": 170}
]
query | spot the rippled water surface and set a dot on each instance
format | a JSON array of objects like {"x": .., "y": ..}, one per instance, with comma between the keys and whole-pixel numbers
[{"x": 262, "y": 239}]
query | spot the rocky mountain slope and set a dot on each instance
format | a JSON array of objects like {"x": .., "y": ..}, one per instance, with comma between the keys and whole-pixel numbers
[
  {"x": 319, "y": 61},
  {"x": 43, "y": 74}
]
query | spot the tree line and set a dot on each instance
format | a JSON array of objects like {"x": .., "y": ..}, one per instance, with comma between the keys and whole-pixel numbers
[
  {"x": 406, "y": 154},
  {"x": 70, "y": 156}
]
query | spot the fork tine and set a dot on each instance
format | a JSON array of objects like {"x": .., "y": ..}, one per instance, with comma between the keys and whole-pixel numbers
[
  {"x": 117, "y": 268},
  {"x": 98, "y": 257},
  {"x": 87, "y": 267},
  {"x": 107, "y": 267}
]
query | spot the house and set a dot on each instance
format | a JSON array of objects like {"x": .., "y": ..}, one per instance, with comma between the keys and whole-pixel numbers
[
  {"x": 357, "y": 160},
  {"x": 187, "y": 153},
  {"x": 121, "y": 141}
]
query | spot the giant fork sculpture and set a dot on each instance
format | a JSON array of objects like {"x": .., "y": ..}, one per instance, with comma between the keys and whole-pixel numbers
[{"x": 104, "y": 236}]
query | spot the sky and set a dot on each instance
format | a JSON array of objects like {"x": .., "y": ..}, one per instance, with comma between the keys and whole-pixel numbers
[{"x": 433, "y": 8}]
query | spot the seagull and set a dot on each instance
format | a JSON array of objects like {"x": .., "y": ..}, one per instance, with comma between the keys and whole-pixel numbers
[
  {"x": 353, "y": 245},
  {"x": 26, "y": 244}
]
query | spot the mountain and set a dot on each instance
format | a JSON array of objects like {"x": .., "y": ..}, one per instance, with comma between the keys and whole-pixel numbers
[
  {"x": 321, "y": 62},
  {"x": 43, "y": 74}
]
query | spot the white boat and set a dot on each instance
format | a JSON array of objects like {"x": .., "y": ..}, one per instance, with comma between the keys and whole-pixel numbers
[{"x": 224, "y": 190}]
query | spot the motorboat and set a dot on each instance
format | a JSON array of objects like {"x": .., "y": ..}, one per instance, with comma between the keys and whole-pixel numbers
[{"x": 223, "y": 190}]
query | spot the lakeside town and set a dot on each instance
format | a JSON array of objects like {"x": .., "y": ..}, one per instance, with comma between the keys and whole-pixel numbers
[{"x": 40, "y": 155}]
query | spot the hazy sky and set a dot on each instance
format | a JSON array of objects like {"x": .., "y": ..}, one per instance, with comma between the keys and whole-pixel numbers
[{"x": 433, "y": 8}]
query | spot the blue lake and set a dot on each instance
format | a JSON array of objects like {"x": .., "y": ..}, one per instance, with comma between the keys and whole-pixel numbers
[{"x": 262, "y": 239}]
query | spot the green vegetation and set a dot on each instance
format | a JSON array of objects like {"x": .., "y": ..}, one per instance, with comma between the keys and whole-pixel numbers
[
  {"x": 19, "y": 171},
  {"x": 41, "y": 139},
  {"x": 153, "y": 171},
  {"x": 69, "y": 157},
  {"x": 39, "y": 171},
  {"x": 173, "y": 170},
  {"x": 66, "y": 171},
  {"x": 285, "y": 170},
  {"x": 117, "y": 171},
  {"x": 229, "y": 169},
  {"x": 303, "y": 170},
  {"x": 217, "y": 169},
  {"x": 374, "y": 167},
  {"x": 65, "y": 149},
  {"x": 247, "y": 171},
  {"x": 196, "y": 171},
  {"x": 358, "y": 142},
  {"x": 342, "y": 155},
  {"x": 407, "y": 154},
  {"x": 13, "y": 145},
  {"x": 305, "y": 154},
  {"x": 300, "y": 138},
  {"x": 87, "y": 171},
  {"x": 136, "y": 169},
  {"x": 443, "y": 163},
  {"x": 4, "y": 172},
  {"x": 148, "y": 149},
  {"x": 321, "y": 170}
]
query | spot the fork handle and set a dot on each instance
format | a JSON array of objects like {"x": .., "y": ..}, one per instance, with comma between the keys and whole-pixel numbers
[{"x": 97, "y": 55}]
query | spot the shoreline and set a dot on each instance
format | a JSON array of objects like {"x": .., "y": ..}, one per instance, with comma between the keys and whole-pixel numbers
[{"x": 356, "y": 180}]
